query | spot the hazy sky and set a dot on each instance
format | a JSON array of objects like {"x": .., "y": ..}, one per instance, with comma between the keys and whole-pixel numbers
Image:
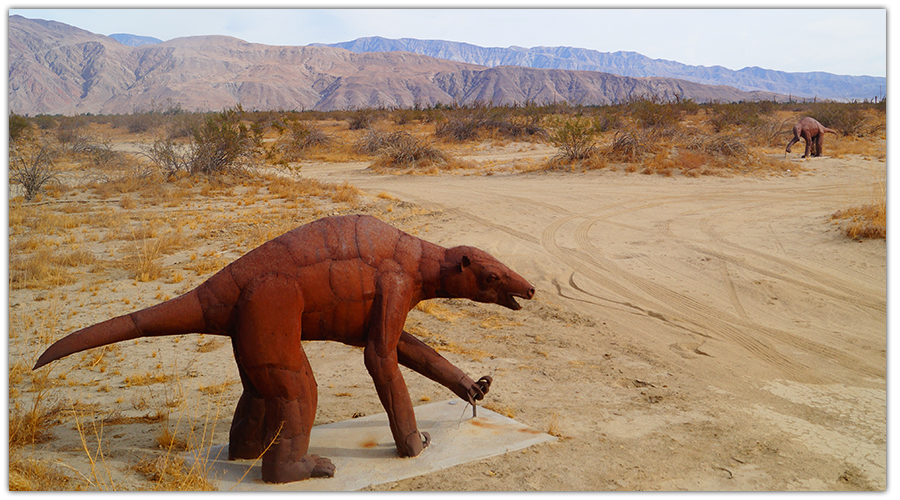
[{"x": 834, "y": 40}]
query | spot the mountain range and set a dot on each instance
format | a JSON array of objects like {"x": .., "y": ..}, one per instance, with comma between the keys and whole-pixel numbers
[
  {"x": 809, "y": 85},
  {"x": 55, "y": 68}
]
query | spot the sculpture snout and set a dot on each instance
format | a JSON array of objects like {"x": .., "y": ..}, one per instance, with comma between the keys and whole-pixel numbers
[
  {"x": 523, "y": 290},
  {"x": 527, "y": 294}
]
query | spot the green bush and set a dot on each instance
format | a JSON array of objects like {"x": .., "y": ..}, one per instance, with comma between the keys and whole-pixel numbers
[
  {"x": 574, "y": 137},
  {"x": 846, "y": 118},
  {"x": 221, "y": 143},
  {"x": 726, "y": 115},
  {"x": 650, "y": 112},
  {"x": 18, "y": 127}
]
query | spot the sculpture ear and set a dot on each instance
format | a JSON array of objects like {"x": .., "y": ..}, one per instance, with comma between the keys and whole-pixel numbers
[{"x": 463, "y": 264}]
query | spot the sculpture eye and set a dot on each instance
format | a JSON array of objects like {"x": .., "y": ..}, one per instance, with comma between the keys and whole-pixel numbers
[{"x": 491, "y": 279}]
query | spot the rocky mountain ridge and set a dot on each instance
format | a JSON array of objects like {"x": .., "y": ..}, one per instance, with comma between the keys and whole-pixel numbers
[
  {"x": 59, "y": 69},
  {"x": 813, "y": 84}
]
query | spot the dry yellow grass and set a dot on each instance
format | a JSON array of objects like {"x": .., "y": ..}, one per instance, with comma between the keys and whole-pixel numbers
[
  {"x": 32, "y": 474},
  {"x": 147, "y": 379},
  {"x": 868, "y": 220}
]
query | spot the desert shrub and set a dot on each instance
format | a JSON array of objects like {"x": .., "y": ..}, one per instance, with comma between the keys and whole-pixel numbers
[
  {"x": 403, "y": 150},
  {"x": 306, "y": 136},
  {"x": 867, "y": 221},
  {"x": 31, "y": 165},
  {"x": 168, "y": 157},
  {"x": 18, "y": 127},
  {"x": 102, "y": 155},
  {"x": 71, "y": 134},
  {"x": 146, "y": 120},
  {"x": 575, "y": 137},
  {"x": 607, "y": 118},
  {"x": 221, "y": 143},
  {"x": 627, "y": 147},
  {"x": 182, "y": 125},
  {"x": 468, "y": 123},
  {"x": 360, "y": 119},
  {"x": 725, "y": 115},
  {"x": 722, "y": 145},
  {"x": 408, "y": 115},
  {"x": 848, "y": 119},
  {"x": 143, "y": 122},
  {"x": 770, "y": 132},
  {"x": 44, "y": 122},
  {"x": 652, "y": 111},
  {"x": 371, "y": 142},
  {"x": 30, "y": 474}
]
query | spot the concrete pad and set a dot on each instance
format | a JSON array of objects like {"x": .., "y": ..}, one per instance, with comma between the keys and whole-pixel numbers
[{"x": 364, "y": 454}]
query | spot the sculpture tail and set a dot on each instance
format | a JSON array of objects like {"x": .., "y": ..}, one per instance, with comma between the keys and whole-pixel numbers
[
  {"x": 830, "y": 131},
  {"x": 173, "y": 317}
]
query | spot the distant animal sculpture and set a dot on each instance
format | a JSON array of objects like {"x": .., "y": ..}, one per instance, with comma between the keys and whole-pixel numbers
[
  {"x": 349, "y": 279},
  {"x": 813, "y": 134}
]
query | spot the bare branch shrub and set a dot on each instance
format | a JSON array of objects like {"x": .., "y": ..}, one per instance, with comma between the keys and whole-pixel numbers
[
  {"x": 169, "y": 157},
  {"x": 627, "y": 147},
  {"x": 31, "y": 165},
  {"x": 371, "y": 142}
]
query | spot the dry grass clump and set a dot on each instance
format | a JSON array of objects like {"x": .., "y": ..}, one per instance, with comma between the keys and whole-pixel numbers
[
  {"x": 721, "y": 145},
  {"x": 627, "y": 147},
  {"x": 31, "y": 474},
  {"x": 864, "y": 222},
  {"x": 867, "y": 221},
  {"x": 169, "y": 473},
  {"x": 33, "y": 426},
  {"x": 302, "y": 187},
  {"x": 46, "y": 268}
]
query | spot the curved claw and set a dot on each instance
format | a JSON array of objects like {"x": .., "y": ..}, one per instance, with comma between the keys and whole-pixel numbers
[
  {"x": 426, "y": 439},
  {"x": 484, "y": 383}
]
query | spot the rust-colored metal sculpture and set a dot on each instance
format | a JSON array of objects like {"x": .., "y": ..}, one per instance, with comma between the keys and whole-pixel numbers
[
  {"x": 349, "y": 279},
  {"x": 813, "y": 134}
]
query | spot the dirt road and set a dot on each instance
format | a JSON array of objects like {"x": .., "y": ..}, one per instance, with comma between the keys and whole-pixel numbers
[{"x": 707, "y": 333}]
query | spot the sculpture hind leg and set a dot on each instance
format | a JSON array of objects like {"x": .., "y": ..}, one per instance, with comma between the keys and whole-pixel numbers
[
  {"x": 246, "y": 439},
  {"x": 268, "y": 350},
  {"x": 820, "y": 142}
]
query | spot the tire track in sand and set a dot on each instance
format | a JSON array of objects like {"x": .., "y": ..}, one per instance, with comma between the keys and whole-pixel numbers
[
  {"x": 713, "y": 316},
  {"x": 676, "y": 308}
]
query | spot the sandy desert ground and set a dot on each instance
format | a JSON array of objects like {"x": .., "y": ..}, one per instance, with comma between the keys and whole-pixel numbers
[{"x": 688, "y": 334}]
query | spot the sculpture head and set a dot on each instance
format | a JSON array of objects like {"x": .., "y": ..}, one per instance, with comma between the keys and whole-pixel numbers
[{"x": 470, "y": 273}]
